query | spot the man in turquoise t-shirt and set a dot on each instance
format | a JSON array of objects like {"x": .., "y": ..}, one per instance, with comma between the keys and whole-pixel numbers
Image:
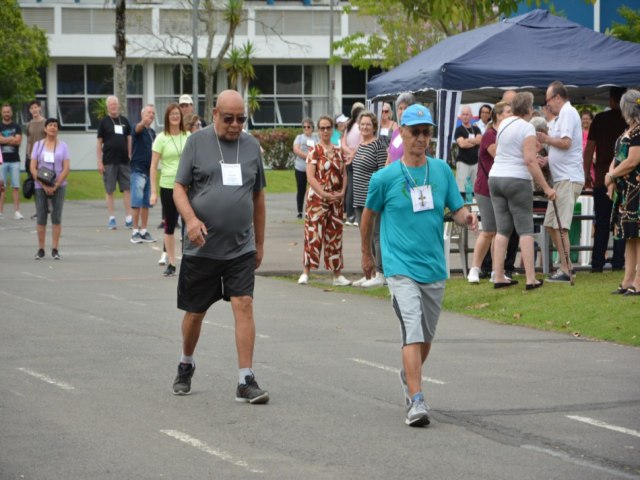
[{"x": 411, "y": 195}]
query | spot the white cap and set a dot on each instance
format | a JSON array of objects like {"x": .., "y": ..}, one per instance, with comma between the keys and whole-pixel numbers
[
  {"x": 185, "y": 99},
  {"x": 342, "y": 118}
]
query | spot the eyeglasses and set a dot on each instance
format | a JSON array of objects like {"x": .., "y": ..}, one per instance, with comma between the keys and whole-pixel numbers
[
  {"x": 386, "y": 111},
  {"x": 307, "y": 126},
  {"x": 366, "y": 125},
  {"x": 416, "y": 132},
  {"x": 550, "y": 98},
  {"x": 325, "y": 129},
  {"x": 228, "y": 118}
]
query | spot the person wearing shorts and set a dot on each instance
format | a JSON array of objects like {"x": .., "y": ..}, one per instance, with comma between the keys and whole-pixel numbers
[
  {"x": 219, "y": 192},
  {"x": 113, "y": 152},
  {"x": 410, "y": 196},
  {"x": 10, "y": 139},
  {"x": 565, "y": 162}
]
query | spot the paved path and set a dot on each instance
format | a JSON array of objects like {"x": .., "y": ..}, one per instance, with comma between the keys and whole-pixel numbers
[{"x": 89, "y": 346}]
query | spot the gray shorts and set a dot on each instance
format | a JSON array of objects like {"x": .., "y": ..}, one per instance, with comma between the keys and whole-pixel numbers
[
  {"x": 487, "y": 217},
  {"x": 42, "y": 206},
  {"x": 120, "y": 173},
  {"x": 512, "y": 200},
  {"x": 417, "y": 306}
]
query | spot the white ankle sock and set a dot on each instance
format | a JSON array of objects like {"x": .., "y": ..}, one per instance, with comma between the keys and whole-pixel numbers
[
  {"x": 244, "y": 372},
  {"x": 185, "y": 359}
]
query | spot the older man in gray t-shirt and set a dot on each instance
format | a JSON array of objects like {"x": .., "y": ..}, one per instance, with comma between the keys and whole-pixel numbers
[{"x": 219, "y": 192}]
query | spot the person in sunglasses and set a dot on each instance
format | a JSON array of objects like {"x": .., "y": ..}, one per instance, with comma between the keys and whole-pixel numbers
[
  {"x": 387, "y": 124},
  {"x": 410, "y": 196},
  {"x": 219, "y": 192}
]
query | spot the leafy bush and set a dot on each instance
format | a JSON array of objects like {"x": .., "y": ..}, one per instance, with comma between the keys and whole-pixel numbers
[{"x": 277, "y": 144}]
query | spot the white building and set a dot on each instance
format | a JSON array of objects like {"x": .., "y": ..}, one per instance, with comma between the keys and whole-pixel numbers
[{"x": 291, "y": 40}]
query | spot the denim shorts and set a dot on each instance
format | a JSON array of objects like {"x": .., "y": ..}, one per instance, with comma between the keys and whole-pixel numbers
[
  {"x": 11, "y": 169},
  {"x": 140, "y": 190}
]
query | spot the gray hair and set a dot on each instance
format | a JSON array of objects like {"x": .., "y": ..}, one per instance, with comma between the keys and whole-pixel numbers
[
  {"x": 540, "y": 124},
  {"x": 630, "y": 106},
  {"x": 407, "y": 98},
  {"x": 522, "y": 103}
]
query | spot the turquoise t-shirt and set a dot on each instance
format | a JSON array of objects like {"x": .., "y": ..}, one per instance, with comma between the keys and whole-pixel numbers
[{"x": 413, "y": 243}]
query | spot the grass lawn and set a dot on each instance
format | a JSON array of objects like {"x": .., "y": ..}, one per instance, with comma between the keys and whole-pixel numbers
[{"x": 586, "y": 310}]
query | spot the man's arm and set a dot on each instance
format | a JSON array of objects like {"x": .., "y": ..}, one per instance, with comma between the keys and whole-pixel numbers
[
  {"x": 366, "y": 235},
  {"x": 259, "y": 220},
  {"x": 99, "y": 156},
  {"x": 13, "y": 140},
  {"x": 587, "y": 159}
]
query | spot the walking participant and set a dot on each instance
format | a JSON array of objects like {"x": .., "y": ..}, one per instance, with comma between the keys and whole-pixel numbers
[
  {"x": 410, "y": 196},
  {"x": 10, "y": 139},
  {"x": 219, "y": 192}
]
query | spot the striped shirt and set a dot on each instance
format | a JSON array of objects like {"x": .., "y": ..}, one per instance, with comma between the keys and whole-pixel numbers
[{"x": 368, "y": 159}]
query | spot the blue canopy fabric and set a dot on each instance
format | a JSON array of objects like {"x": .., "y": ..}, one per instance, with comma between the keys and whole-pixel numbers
[{"x": 523, "y": 53}]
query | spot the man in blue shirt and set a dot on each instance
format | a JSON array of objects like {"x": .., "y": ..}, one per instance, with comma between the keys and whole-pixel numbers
[{"x": 411, "y": 196}]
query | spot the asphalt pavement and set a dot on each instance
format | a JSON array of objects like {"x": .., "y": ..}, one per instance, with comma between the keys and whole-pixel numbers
[{"x": 89, "y": 346}]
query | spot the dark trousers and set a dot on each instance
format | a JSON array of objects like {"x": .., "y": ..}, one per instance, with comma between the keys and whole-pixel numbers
[
  {"x": 510, "y": 258},
  {"x": 301, "y": 183},
  {"x": 348, "y": 202},
  {"x": 602, "y": 210}
]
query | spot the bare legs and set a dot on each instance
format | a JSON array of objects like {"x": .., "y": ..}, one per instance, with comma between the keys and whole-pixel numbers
[{"x": 413, "y": 357}]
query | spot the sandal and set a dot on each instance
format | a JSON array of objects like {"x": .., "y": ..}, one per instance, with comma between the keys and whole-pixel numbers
[
  {"x": 631, "y": 291},
  {"x": 620, "y": 290},
  {"x": 505, "y": 284}
]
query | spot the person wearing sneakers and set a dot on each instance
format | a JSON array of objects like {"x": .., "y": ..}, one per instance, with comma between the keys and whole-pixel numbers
[
  {"x": 167, "y": 148},
  {"x": 143, "y": 137},
  {"x": 53, "y": 154},
  {"x": 325, "y": 206},
  {"x": 410, "y": 196},
  {"x": 114, "y": 152},
  {"x": 10, "y": 139},
  {"x": 219, "y": 192}
]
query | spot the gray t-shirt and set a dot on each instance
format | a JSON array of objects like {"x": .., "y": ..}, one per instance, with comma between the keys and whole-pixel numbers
[{"x": 227, "y": 211}]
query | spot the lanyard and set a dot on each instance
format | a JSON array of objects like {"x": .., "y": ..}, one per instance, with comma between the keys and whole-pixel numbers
[
  {"x": 409, "y": 178},
  {"x": 237, "y": 149},
  {"x": 174, "y": 144}
]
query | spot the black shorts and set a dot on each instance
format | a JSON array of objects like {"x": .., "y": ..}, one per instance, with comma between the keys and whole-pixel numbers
[{"x": 203, "y": 281}]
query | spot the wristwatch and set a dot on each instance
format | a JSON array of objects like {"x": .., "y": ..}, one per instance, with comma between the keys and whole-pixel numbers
[{"x": 609, "y": 175}]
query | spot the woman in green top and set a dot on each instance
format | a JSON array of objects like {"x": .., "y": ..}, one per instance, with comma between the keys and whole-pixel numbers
[{"x": 167, "y": 148}]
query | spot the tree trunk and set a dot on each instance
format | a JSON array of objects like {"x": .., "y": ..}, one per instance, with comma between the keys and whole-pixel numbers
[{"x": 120, "y": 66}]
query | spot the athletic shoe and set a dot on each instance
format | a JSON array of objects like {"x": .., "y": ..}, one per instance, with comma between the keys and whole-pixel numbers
[
  {"x": 39, "y": 254},
  {"x": 112, "y": 224},
  {"x": 418, "y": 414},
  {"x": 161, "y": 225},
  {"x": 405, "y": 388},
  {"x": 559, "y": 277},
  {"x": 182, "y": 382},
  {"x": 341, "y": 282},
  {"x": 55, "y": 254},
  {"x": 34, "y": 216},
  {"x": 170, "y": 271},
  {"x": 348, "y": 222},
  {"x": 250, "y": 392},
  {"x": 304, "y": 279},
  {"x": 18, "y": 216},
  {"x": 128, "y": 224},
  {"x": 377, "y": 281},
  {"x": 163, "y": 259},
  {"x": 474, "y": 275},
  {"x": 299, "y": 216},
  {"x": 136, "y": 238},
  {"x": 147, "y": 238},
  {"x": 358, "y": 283}
]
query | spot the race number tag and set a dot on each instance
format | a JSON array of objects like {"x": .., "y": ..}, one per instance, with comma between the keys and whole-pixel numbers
[
  {"x": 422, "y": 198},
  {"x": 231, "y": 174},
  {"x": 384, "y": 132},
  {"x": 311, "y": 143},
  {"x": 397, "y": 142},
  {"x": 48, "y": 157},
  {"x": 118, "y": 129}
]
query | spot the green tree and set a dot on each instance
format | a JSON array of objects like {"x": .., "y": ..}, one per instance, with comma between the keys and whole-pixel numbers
[
  {"x": 24, "y": 51},
  {"x": 631, "y": 31},
  {"x": 239, "y": 67}
]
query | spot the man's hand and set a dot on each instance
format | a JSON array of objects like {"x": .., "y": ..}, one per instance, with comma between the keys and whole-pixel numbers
[
  {"x": 196, "y": 232},
  {"x": 368, "y": 265},
  {"x": 100, "y": 167},
  {"x": 259, "y": 255}
]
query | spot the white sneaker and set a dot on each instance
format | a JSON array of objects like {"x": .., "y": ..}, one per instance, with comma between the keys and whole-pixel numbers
[
  {"x": 341, "y": 282},
  {"x": 377, "y": 281},
  {"x": 474, "y": 275},
  {"x": 18, "y": 216},
  {"x": 163, "y": 259},
  {"x": 304, "y": 279},
  {"x": 493, "y": 277},
  {"x": 358, "y": 283}
]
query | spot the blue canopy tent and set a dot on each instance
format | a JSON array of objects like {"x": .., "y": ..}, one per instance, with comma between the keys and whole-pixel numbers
[{"x": 523, "y": 53}]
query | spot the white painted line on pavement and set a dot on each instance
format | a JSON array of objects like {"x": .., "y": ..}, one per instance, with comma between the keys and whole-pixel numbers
[
  {"x": 48, "y": 379},
  {"x": 578, "y": 461},
  {"x": 24, "y": 299},
  {"x": 222, "y": 455},
  {"x": 598, "y": 423},
  {"x": 229, "y": 327},
  {"x": 394, "y": 370},
  {"x": 39, "y": 277},
  {"x": 120, "y": 299}
]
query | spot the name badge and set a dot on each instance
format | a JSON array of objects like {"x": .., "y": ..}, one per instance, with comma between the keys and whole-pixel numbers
[
  {"x": 422, "y": 198},
  {"x": 48, "y": 157},
  {"x": 231, "y": 174},
  {"x": 118, "y": 129},
  {"x": 384, "y": 132},
  {"x": 397, "y": 142},
  {"x": 311, "y": 143},
  {"x": 472, "y": 135}
]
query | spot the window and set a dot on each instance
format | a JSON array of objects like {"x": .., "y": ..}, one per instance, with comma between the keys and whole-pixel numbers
[
  {"x": 354, "y": 85},
  {"x": 171, "y": 81},
  {"x": 81, "y": 89},
  {"x": 288, "y": 93}
]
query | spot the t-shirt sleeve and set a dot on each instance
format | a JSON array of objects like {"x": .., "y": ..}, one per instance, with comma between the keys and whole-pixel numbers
[
  {"x": 459, "y": 133},
  {"x": 158, "y": 144},
  {"x": 634, "y": 141},
  {"x": 375, "y": 194},
  {"x": 261, "y": 180},
  {"x": 65, "y": 152},
  {"x": 184, "y": 175},
  {"x": 101, "y": 130},
  {"x": 564, "y": 126},
  {"x": 297, "y": 140}
]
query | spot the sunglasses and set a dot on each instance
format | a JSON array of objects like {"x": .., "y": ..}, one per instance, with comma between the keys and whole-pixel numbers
[
  {"x": 325, "y": 129},
  {"x": 228, "y": 118},
  {"x": 307, "y": 126},
  {"x": 416, "y": 132},
  {"x": 386, "y": 111}
]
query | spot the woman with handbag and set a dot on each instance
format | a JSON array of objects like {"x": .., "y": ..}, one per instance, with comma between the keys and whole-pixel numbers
[{"x": 50, "y": 165}]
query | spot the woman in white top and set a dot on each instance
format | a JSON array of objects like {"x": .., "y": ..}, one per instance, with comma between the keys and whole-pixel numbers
[
  {"x": 302, "y": 145},
  {"x": 511, "y": 190}
]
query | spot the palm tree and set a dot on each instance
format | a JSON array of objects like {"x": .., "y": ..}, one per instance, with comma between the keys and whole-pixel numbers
[
  {"x": 253, "y": 101},
  {"x": 239, "y": 67}
]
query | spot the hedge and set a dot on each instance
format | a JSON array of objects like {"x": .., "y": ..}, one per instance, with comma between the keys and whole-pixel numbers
[{"x": 277, "y": 144}]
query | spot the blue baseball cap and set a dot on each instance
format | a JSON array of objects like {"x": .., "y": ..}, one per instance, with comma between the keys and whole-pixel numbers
[{"x": 416, "y": 114}]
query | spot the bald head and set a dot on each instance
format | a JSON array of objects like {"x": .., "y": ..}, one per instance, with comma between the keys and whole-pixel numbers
[
  {"x": 508, "y": 96},
  {"x": 229, "y": 116}
]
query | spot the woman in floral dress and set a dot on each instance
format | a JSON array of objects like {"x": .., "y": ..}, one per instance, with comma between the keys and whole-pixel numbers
[
  {"x": 327, "y": 179},
  {"x": 623, "y": 181}
]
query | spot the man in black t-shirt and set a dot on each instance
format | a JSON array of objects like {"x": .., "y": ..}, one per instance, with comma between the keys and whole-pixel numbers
[
  {"x": 10, "y": 139},
  {"x": 114, "y": 152},
  {"x": 468, "y": 138}
]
